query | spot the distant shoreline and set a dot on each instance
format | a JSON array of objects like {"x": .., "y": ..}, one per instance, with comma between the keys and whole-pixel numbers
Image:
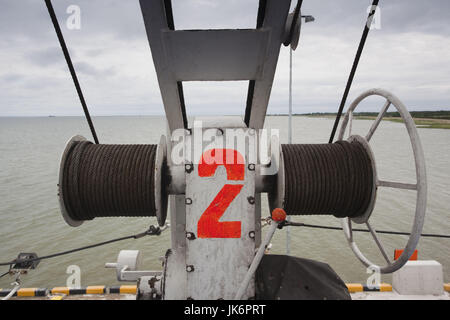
[{"x": 423, "y": 119}]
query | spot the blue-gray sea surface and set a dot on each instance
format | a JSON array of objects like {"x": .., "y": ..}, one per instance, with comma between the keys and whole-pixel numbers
[{"x": 30, "y": 150}]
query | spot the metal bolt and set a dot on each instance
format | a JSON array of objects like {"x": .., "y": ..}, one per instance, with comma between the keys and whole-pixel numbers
[
  {"x": 251, "y": 234},
  {"x": 188, "y": 167},
  {"x": 251, "y": 131},
  {"x": 251, "y": 200},
  {"x": 188, "y": 201},
  {"x": 189, "y": 268},
  {"x": 190, "y": 236},
  {"x": 251, "y": 167},
  {"x": 219, "y": 132}
]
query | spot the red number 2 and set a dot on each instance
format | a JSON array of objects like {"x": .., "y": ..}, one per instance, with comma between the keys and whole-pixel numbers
[{"x": 209, "y": 225}]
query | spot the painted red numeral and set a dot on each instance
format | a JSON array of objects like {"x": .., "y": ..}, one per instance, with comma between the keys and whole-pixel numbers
[{"x": 209, "y": 225}]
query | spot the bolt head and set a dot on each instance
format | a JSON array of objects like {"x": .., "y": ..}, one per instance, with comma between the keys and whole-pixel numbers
[
  {"x": 189, "y": 268},
  {"x": 188, "y": 167},
  {"x": 190, "y": 236}
]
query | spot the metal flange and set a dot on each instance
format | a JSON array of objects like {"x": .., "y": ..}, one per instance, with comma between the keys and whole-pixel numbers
[
  {"x": 366, "y": 215},
  {"x": 161, "y": 183},
  {"x": 293, "y": 38},
  {"x": 277, "y": 194},
  {"x": 69, "y": 145}
]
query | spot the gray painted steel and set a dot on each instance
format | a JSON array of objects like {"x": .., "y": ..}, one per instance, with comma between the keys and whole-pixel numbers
[
  {"x": 420, "y": 187},
  {"x": 219, "y": 264},
  {"x": 275, "y": 19},
  {"x": 69, "y": 145},
  {"x": 256, "y": 260},
  {"x": 215, "y": 55}
]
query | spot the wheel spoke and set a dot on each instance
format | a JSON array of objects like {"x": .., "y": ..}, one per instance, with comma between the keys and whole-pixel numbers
[
  {"x": 378, "y": 120},
  {"x": 397, "y": 185},
  {"x": 380, "y": 246},
  {"x": 350, "y": 230}
]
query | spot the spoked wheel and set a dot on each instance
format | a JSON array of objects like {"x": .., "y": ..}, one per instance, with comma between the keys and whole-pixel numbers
[{"x": 420, "y": 187}]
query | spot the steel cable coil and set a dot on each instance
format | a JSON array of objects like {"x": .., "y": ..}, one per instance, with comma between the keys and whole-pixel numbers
[
  {"x": 335, "y": 179},
  {"x": 101, "y": 180}
]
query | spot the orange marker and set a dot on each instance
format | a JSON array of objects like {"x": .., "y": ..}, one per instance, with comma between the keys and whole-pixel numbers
[{"x": 278, "y": 215}]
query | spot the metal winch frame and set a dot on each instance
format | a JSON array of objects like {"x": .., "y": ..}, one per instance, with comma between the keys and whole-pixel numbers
[
  {"x": 215, "y": 205},
  {"x": 218, "y": 55},
  {"x": 214, "y": 55}
]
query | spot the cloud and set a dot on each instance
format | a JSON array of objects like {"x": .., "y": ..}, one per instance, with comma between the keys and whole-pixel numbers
[
  {"x": 408, "y": 55},
  {"x": 88, "y": 69},
  {"x": 44, "y": 57},
  {"x": 11, "y": 77}
]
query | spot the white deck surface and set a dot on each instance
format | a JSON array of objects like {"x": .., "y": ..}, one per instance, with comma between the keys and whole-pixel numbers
[{"x": 395, "y": 296}]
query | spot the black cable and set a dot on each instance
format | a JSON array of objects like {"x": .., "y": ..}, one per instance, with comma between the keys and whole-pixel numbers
[
  {"x": 71, "y": 68},
  {"x": 4, "y": 274},
  {"x": 354, "y": 67},
  {"x": 299, "y": 224},
  {"x": 151, "y": 231}
]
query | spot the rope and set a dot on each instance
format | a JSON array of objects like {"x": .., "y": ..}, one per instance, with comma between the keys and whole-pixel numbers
[
  {"x": 109, "y": 181},
  {"x": 151, "y": 231},
  {"x": 323, "y": 179},
  {"x": 4, "y": 274},
  {"x": 354, "y": 67},
  {"x": 71, "y": 68},
  {"x": 299, "y": 224}
]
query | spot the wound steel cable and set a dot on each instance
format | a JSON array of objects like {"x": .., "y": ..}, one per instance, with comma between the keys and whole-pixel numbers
[
  {"x": 102, "y": 180},
  {"x": 324, "y": 179}
]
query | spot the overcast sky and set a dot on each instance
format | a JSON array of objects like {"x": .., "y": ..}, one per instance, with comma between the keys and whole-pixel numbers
[{"x": 409, "y": 55}]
